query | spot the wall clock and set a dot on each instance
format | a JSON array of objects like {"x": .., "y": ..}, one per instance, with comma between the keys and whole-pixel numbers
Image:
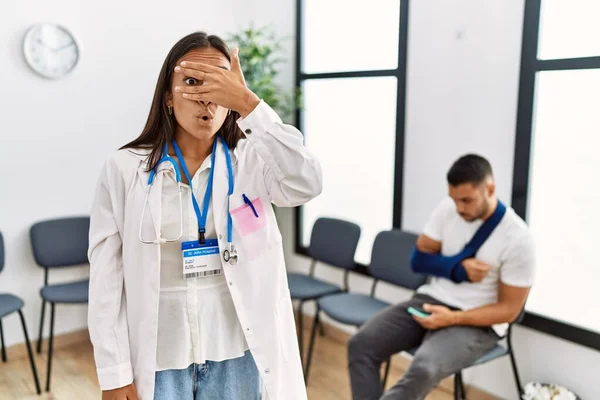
[{"x": 50, "y": 50}]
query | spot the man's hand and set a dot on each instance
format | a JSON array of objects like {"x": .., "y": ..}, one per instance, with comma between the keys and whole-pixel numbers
[
  {"x": 125, "y": 393},
  {"x": 441, "y": 317},
  {"x": 476, "y": 270}
]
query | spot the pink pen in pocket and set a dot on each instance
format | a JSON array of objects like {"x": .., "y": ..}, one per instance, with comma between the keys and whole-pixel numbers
[{"x": 250, "y": 217}]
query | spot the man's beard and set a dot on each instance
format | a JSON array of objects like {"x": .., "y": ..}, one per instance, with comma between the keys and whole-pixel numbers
[{"x": 482, "y": 212}]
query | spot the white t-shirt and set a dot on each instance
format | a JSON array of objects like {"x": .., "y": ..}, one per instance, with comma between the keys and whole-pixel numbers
[
  {"x": 197, "y": 320},
  {"x": 509, "y": 250}
]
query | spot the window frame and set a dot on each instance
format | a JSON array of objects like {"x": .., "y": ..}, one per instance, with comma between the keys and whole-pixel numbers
[
  {"x": 530, "y": 66},
  {"x": 400, "y": 74}
]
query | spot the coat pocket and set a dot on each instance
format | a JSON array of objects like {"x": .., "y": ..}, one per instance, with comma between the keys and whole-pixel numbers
[
  {"x": 249, "y": 219},
  {"x": 251, "y": 224}
]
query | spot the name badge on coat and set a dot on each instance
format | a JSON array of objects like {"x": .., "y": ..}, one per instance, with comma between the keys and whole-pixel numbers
[{"x": 201, "y": 260}]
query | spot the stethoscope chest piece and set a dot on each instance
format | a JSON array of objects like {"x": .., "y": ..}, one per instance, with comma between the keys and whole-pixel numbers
[{"x": 230, "y": 255}]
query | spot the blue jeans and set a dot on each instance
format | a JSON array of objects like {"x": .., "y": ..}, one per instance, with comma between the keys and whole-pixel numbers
[{"x": 235, "y": 379}]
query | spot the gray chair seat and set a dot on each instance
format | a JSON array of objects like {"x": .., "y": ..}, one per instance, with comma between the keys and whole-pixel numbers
[
  {"x": 351, "y": 308},
  {"x": 72, "y": 292},
  {"x": 304, "y": 287},
  {"x": 9, "y": 304},
  {"x": 496, "y": 352}
]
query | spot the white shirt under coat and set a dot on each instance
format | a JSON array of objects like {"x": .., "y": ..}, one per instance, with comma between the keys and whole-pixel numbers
[{"x": 196, "y": 316}]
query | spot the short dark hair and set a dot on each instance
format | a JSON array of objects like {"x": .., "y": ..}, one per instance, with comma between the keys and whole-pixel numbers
[{"x": 470, "y": 168}]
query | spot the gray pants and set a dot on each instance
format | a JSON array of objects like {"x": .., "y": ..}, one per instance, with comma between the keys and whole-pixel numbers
[{"x": 441, "y": 352}]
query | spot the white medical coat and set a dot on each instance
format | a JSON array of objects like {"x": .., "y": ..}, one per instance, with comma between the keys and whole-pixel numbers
[{"x": 272, "y": 164}]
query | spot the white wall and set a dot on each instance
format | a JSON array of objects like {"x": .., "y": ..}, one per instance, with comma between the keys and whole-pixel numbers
[
  {"x": 73, "y": 124},
  {"x": 463, "y": 76}
]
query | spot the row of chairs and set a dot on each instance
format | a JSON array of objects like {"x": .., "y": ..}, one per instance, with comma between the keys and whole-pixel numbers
[
  {"x": 334, "y": 243},
  {"x": 64, "y": 242},
  {"x": 55, "y": 243}
]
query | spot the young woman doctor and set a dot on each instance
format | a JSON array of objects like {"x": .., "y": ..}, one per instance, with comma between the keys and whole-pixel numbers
[{"x": 188, "y": 289}]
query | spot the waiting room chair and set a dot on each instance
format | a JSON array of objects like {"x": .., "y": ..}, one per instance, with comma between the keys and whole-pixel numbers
[
  {"x": 390, "y": 262},
  {"x": 8, "y": 305},
  {"x": 496, "y": 352},
  {"x": 332, "y": 242},
  {"x": 60, "y": 243}
]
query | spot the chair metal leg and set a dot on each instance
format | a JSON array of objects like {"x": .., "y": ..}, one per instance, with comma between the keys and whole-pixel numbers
[
  {"x": 40, "y": 337},
  {"x": 386, "y": 373},
  {"x": 311, "y": 345},
  {"x": 30, "y": 353},
  {"x": 459, "y": 387},
  {"x": 514, "y": 368},
  {"x": 456, "y": 388},
  {"x": 2, "y": 341},
  {"x": 301, "y": 330},
  {"x": 50, "y": 347},
  {"x": 321, "y": 329}
]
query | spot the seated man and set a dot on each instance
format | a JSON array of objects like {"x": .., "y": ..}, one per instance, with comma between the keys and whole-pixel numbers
[{"x": 483, "y": 257}]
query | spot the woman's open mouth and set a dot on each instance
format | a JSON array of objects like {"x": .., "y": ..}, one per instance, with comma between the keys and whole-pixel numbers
[{"x": 205, "y": 120}]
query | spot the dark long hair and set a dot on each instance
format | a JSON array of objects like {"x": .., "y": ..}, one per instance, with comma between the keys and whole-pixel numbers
[{"x": 160, "y": 126}]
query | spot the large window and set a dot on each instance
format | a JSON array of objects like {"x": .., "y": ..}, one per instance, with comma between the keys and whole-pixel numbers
[
  {"x": 557, "y": 164},
  {"x": 352, "y": 68}
]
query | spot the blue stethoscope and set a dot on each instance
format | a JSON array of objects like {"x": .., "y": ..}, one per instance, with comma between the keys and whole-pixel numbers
[{"x": 230, "y": 254}]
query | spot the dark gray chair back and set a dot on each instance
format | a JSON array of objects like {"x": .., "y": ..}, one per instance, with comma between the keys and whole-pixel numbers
[
  {"x": 334, "y": 242},
  {"x": 390, "y": 259},
  {"x": 60, "y": 242},
  {"x": 1, "y": 252}
]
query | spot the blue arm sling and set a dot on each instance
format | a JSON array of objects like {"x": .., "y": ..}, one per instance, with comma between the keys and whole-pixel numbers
[{"x": 450, "y": 267}]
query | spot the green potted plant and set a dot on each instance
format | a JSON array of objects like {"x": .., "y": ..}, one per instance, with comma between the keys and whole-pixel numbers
[{"x": 260, "y": 56}]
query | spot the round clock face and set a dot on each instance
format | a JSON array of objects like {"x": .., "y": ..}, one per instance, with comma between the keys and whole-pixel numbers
[{"x": 50, "y": 50}]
